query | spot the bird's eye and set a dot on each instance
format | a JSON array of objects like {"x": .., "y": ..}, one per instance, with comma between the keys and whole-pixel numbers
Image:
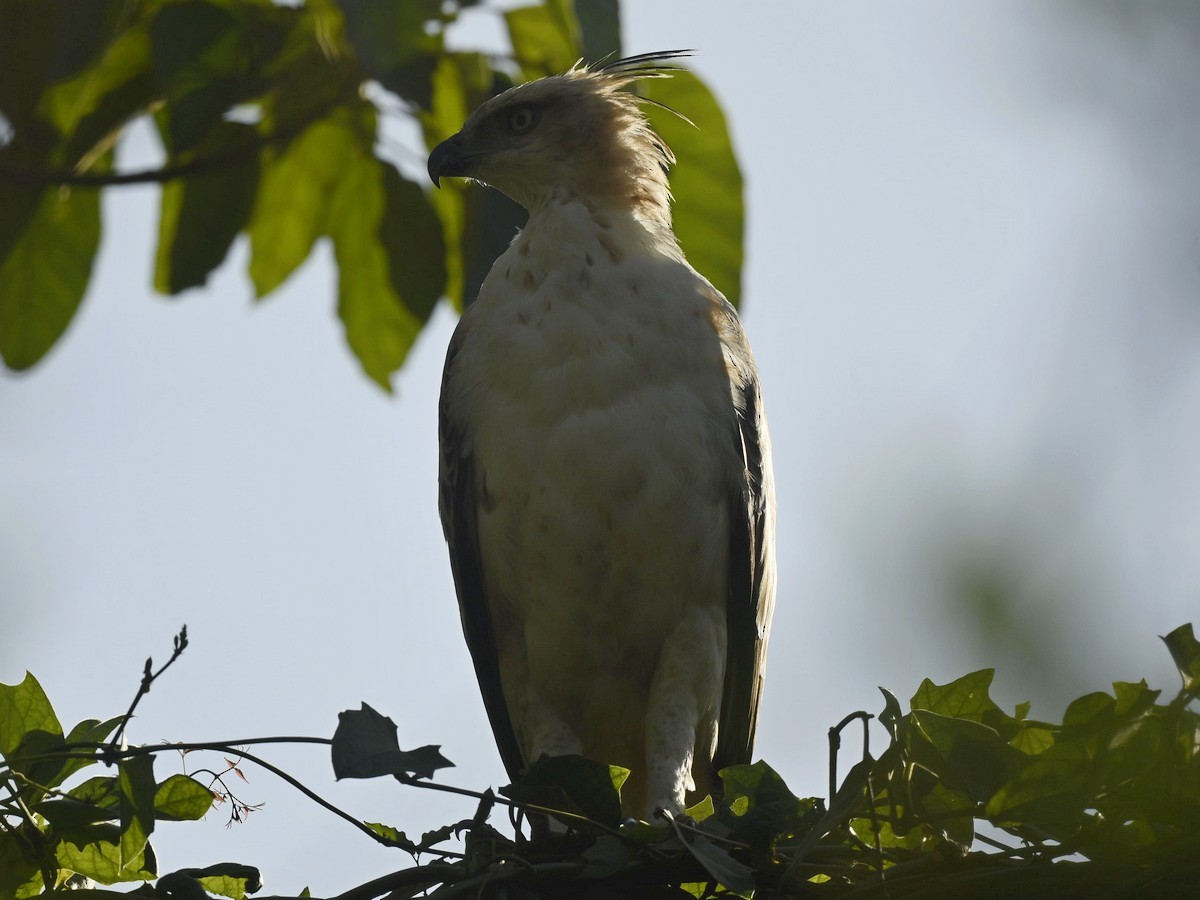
[{"x": 522, "y": 119}]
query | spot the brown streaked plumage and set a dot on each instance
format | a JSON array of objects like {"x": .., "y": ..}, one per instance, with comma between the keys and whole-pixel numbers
[{"x": 606, "y": 486}]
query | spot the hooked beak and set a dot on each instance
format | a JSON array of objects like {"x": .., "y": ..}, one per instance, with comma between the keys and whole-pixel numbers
[{"x": 447, "y": 159}]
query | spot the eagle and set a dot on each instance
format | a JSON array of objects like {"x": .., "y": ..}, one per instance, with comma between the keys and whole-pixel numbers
[{"x": 605, "y": 481}]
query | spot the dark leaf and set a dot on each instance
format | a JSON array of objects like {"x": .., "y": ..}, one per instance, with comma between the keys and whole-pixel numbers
[
  {"x": 19, "y": 875},
  {"x": 365, "y": 746},
  {"x": 82, "y": 34},
  {"x": 1185, "y": 651},
  {"x": 758, "y": 807},
  {"x": 203, "y": 213},
  {"x": 572, "y": 784},
  {"x": 411, "y": 235},
  {"x": 397, "y": 44},
  {"x": 28, "y": 50},
  {"x": 723, "y": 868},
  {"x": 393, "y": 836}
]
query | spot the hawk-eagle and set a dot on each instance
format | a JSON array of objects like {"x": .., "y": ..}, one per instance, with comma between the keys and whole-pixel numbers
[{"x": 606, "y": 486}]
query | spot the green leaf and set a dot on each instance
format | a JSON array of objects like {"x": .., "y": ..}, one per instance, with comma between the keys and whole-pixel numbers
[
  {"x": 24, "y": 708},
  {"x": 135, "y": 780},
  {"x": 45, "y": 275},
  {"x": 546, "y": 39},
  {"x": 1033, "y": 740},
  {"x": 97, "y": 854},
  {"x": 758, "y": 807},
  {"x": 365, "y": 746},
  {"x": 1185, "y": 651},
  {"x": 706, "y": 181},
  {"x": 963, "y": 698},
  {"x": 294, "y": 195},
  {"x": 963, "y": 753},
  {"x": 182, "y": 798},
  {"x": 1091, "y": 711},
  {"x": 203, "y": 213},
  {"x": 1050, "y": 792},
  {"x": 231, "y": 880},
  {"x": 72, "y": 814},
  {"x": 600, "y": 27},
  {"x": 379, "y": 229},
  {"x": 411, "y": 236}
]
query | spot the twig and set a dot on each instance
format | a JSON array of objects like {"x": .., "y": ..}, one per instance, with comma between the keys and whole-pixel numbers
[{"x": 148, "y": 677}]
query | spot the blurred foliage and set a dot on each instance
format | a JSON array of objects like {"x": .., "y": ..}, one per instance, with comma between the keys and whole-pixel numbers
[
  {"x": 966, "y": 801},
  {"x": 269, "y": 119}
]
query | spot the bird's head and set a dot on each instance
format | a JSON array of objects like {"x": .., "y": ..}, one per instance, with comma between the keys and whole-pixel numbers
[{"x": 576, "y": 135}]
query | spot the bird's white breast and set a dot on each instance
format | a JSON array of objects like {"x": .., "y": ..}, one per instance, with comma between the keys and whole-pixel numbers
[{"x": 593, "y": 388}]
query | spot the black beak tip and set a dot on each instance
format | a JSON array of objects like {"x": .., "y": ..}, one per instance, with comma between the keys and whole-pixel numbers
[{"x": 445, "y": 159}]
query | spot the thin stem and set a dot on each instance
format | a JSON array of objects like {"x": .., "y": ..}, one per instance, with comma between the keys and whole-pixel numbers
[{"x": 148, "y": 678}]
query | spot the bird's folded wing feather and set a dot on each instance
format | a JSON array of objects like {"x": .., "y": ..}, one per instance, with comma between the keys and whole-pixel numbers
[
  {"x": 751, "y": 553},
  {"x": 459, "y": 510}
]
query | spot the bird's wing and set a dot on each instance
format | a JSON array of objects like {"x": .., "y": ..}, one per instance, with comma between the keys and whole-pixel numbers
[
  {"x": 751, "y": 552},
  {"x": 459, "y": 508}
]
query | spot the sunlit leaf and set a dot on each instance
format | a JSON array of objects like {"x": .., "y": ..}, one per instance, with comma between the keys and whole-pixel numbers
[
  {"x": 46, "y": 272},
  {"x": 963, "y": 698},
  {"x": 182, "y": 798},
  {"x": 135, "y": 781},
  {"x": 292, "y": 205},
  {"x": 546, "y": 39},
  {"x": 371, "y": 239},
  {"x": 97, "y": 855},
  {"x": 232, "y": 880},
  {"x": 24, "y": 708}
]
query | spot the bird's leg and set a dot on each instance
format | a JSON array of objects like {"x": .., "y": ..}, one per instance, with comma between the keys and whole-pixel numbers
[{"x": 684, "y": 697}]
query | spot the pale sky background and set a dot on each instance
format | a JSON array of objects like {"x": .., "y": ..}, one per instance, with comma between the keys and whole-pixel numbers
[{"x": 971, "y": 285}]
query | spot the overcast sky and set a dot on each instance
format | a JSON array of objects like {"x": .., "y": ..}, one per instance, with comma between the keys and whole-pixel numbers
[{"x": 971, "y": 285}]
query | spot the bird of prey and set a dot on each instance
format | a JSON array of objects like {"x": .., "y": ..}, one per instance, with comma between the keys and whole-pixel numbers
[{"x": 605, "y": 478}]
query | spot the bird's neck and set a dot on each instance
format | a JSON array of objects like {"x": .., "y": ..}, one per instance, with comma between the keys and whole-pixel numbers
[{"x": 643, "y": 228}]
